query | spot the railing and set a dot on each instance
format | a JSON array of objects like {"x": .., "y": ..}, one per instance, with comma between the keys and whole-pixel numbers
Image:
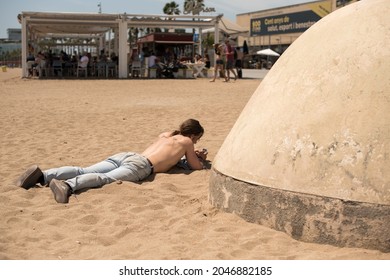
[{"x": 11, "y": 63}]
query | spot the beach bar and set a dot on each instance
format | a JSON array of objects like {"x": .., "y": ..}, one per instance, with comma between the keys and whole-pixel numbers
[{"x": 37, "y": 26}]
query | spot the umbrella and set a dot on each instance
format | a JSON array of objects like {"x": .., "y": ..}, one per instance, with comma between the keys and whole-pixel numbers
[{"x": 267, "y": 52}]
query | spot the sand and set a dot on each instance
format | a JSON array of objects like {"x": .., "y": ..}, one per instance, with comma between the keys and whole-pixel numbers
[{"x": 79, "y": 122}]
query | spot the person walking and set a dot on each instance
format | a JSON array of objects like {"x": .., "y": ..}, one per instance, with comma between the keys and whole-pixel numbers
[
  {"x": 219, "y": 64},
  {"x": 229, "y": 52}
]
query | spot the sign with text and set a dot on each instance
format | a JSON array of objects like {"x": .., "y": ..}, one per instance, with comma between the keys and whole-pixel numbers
[
  {"x": 195, "y": 7},
  {"x": 281, "y": 24}
]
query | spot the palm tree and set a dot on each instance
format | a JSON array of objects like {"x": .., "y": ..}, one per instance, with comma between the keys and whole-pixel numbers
[
  {"x": 198, "y": 4},
  {"x": 171, "y": 8}
]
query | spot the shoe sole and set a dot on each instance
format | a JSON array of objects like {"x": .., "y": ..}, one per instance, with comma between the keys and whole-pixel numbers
[
  {"x": 29, "y": 178},
  {"x": 59, "y": 195}
]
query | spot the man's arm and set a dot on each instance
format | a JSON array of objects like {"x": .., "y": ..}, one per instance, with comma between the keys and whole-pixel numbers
[{"x": 193, "y": 160}]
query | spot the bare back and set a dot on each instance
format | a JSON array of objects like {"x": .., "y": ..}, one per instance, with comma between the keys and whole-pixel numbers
[{"x": 167, "y": 150}]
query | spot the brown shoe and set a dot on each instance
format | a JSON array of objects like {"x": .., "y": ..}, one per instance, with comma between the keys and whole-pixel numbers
[
  {"x": 30, "y": 177},
  {"x": 61, "y": 190}
]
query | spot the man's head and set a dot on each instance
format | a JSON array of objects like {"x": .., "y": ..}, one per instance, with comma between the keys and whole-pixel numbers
[{"x": 191, "y": 127}]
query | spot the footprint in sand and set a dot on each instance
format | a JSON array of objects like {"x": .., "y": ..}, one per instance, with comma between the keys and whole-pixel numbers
[{"x": 89, "y": 220}]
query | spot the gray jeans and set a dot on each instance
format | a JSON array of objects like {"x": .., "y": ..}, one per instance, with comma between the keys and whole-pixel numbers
[{"x": 130, "y": 167}]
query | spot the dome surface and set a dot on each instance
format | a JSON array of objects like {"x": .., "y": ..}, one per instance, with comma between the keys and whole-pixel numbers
[
  {"x": 319, "y": 123},
  {"x": 310, "y": 153}
]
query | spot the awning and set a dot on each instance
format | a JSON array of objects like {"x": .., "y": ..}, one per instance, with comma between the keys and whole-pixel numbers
[
  {"x": 65, "y": 24},
  {"x": 267, "y": 52},
  {"x": 175, "y": 42},
  {"x": 167, "y": 38}
]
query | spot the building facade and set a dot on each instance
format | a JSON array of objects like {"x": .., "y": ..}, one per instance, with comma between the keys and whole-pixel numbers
[
  {"x": 10, "y": 48},
  {"x": 14, "y": 34},
  {"x": 280, "y": 27}
]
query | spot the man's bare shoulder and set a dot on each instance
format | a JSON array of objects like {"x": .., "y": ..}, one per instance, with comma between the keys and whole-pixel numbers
[
  {"x": 165, "y": 134},
  {"x": 178, "y": 137}
]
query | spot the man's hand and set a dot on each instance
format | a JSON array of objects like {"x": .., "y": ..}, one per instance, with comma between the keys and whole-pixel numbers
[{"x": 202, "y": 154}]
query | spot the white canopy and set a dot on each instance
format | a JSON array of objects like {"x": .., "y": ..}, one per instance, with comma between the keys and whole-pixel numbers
[{"x": 267, "y": 52}]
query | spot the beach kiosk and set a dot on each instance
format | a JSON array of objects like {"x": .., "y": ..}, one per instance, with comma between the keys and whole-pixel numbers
[{"x": 95, "y": 26}]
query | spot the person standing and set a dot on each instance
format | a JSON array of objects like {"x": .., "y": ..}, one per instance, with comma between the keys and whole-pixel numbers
[
  {"x": 84, "y": 60},
  {"x": 152, "y": 60},
  {"x": 229, "y": 52},
  {"x": 41, "y": 63}
]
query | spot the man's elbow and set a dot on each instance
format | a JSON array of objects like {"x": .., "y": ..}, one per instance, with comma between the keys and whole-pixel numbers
[{"x": 199, "y": 166}]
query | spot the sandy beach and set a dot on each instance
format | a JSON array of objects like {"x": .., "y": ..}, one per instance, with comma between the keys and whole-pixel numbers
[{"x": 79, "y": 122}]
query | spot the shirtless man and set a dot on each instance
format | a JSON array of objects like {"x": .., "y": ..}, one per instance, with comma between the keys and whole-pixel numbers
[{"x": 161, "y": 156}]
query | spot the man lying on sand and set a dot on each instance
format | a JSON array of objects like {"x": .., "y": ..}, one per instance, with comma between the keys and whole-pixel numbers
[{"x": 161, "y": 156}]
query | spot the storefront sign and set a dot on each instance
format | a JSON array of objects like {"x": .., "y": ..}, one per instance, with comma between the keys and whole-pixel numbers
[
  {"x": 341, "y": 3},
  {"x": 195, "y": 7},
  {"x": 287, "y": 23}
]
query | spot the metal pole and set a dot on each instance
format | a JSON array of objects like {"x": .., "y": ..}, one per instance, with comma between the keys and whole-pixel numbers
[
  {"x": 216, "y": 38},
  {"x": 122, "y": 53},
  {"x": 24, "y": 47}
]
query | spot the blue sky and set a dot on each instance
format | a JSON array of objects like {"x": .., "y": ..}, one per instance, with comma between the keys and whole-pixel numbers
[{"x": 9, "y": 9}]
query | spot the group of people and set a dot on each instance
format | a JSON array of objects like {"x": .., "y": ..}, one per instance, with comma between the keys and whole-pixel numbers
[
  {"x": 164, "y": 62},
  {"x": 45, "y": 60},
  {"x": 227, "y": 59},
  {"x": 37, "y": 62}
]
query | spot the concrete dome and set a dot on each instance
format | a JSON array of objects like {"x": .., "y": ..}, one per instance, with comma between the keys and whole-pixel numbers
[{"x": 319, "y": 123}]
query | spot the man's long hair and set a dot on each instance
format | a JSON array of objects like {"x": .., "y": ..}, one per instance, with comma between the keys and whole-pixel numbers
[{"x": 189, "y": 127}]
